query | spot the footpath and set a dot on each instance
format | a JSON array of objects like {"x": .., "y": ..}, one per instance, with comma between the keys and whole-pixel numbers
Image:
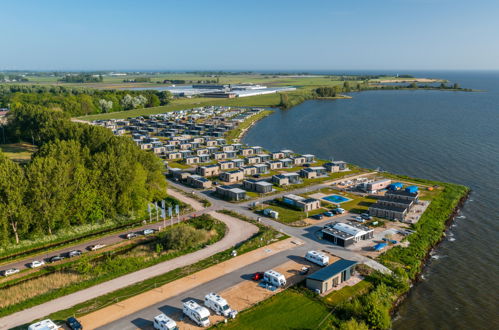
[{"x": 238, "y": 231}]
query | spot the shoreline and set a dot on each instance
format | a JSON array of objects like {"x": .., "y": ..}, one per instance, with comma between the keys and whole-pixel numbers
[
  {"x": 425, "y": 260},
  {"x": 397, "y": 303}
]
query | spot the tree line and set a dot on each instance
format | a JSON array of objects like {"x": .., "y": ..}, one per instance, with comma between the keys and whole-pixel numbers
[
  {"x": 81, "y": 78},
  {"x": 80, "y": 101},
  {"x": 81, "y": 174}
]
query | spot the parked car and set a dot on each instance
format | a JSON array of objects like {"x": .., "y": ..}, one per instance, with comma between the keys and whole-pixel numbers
[
  {"x": 74, "y": 324},
  {"x": 338, "y": 210},
  {"x": 96, "y": 247},
  {"x": 256, "y": 176},
  {"x": 131, "y": 235},
  {"x": 366, "y": 216},
  {"x": 36, "y": 264},
  {"x": 328, "y": 214},
  {"x": 257, "y": 276},
  {"x": 148, "y": 231},
  {"x": 10, "y": 271},
  {"x": 359, "y": 219},
  {"x": 74, "y": 253},
  {"x": 56, "y": 258},
  {"x": 317, "y": 217}
]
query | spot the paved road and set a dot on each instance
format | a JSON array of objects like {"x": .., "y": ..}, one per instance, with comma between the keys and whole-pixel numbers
[
  {"x": 238, "y": 231},
  {"x": 142, "y": 319},
  {"x": 109, "y": 239}
]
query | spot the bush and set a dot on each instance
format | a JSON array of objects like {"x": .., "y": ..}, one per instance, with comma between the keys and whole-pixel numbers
[{"x": 183, "y": 237}]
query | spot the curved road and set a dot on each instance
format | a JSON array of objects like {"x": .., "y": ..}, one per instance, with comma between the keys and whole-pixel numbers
[{"x": 238, "y": 231}]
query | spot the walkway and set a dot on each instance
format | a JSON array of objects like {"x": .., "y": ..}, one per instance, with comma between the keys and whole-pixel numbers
[{"x": 238, "y": 231}]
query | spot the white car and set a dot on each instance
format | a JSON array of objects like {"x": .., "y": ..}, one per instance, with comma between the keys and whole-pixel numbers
[
  {"x": 148, "y": 231},
  {"x": 96, "y": 247},
  {"x": 37, "y": 263},
  {"x": 10, "y": 271}
]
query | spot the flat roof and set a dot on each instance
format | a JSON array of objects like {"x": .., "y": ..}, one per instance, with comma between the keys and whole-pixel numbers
[
  {"x": 335, "y": 268},
  {"x": 388, "y": 207}
]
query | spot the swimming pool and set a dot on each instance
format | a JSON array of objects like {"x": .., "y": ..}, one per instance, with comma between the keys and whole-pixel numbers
[{"x": 336, "y": 199}]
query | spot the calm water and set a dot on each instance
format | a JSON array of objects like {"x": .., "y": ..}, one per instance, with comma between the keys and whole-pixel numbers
[{"x": 448, "y": 136}]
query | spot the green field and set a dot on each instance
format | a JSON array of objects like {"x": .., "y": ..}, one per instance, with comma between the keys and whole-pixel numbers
[
  {"x": 347, "y": 293},
  {"x": 18, "y": 152},
  {"x": 286, "y": 310}
]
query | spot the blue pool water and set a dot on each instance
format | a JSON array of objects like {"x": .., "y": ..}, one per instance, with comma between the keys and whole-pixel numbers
[{"x": 336, "y": 199}]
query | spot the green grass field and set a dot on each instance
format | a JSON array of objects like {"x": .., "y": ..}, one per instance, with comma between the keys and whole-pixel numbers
[
  {"x": 18, "y": 152},
  {"x": 285, "y": 310},
  {"x": 348, "y": 292}
]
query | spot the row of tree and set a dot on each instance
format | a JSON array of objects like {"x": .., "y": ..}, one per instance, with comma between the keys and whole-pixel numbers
[
  {"x": 80, "y": 174},
  {"x": 80, "y": 101},
  {"x": 81, "y": 78}
]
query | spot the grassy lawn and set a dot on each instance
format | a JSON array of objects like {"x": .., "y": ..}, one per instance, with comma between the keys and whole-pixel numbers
[
  {"x": 288, "y": 215},
  {"x": 236, "y": 133},
  {"x": 286, "y": 310},
  {"x": 18, "y": 152},
  {"x": 346, "y": 293},
  {"x": 357, "y": 204},
  {"x": 178, "y": 165}
]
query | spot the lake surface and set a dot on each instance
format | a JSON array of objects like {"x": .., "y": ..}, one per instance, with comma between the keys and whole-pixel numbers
[{"x": 447, "y": 136}]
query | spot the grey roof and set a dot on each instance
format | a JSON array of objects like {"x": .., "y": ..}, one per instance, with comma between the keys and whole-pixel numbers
[{"x": 335, "y": 268}]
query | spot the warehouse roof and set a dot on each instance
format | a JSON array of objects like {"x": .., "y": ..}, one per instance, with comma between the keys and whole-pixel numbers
[{"x": 335, "y": 268}]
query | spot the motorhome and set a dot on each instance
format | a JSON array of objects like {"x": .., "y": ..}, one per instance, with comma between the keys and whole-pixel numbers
[
  {"x": 198, "y": 314},
  {"x": 274, "y": 278},
  {"x": 219, "y": 305},
  {"x": 163, "y": 322},
  {"x": 43, "y": 325},
  {"x": 317, "y": 258}
]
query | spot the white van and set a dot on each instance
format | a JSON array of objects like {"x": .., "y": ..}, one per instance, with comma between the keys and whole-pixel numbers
[
  {"x": 317, "y": 258},
  {"x": 163, "y": 322},
  {"x": 219, "y": 305},
  {"x": 43, "y": 325},
  {"x": 274, "y": 278},
  {"x": 199, "y": 314}
]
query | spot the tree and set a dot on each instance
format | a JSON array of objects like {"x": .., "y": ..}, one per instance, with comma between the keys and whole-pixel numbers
[
  {"x": 105, "y": 105},
  {"x": 353, "y": 324},
  {"x": 13, "y": 212}
]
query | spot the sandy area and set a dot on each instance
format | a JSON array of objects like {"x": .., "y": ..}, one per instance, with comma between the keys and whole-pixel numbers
[{"x": 116, "y": 311}]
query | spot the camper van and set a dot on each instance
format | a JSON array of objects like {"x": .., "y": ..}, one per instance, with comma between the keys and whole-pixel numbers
[
  {"x": 163, "y": 322},
  {"x": 197, "y": 313},
  {"x": 274, "y": 278},
  {"x": 219, "y": 305},
  {"x": 43, "y": 325},
  {"x": 317, "y": 258}
]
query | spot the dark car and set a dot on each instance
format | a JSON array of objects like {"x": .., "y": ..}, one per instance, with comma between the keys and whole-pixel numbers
[
  {"x": 74, "y": 253},
  {"x": 74, "y": 324},
  {"x": 56, "y": 258},
  {"x": 256, "y": 176},
  {"x": 257, "y": 276},
  {"x": 317, "y": 217}
]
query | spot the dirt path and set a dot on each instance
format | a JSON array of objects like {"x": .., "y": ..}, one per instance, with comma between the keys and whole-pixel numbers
[
  {"x": 134, "y": 304},
  {"x": 238, "y": 231}
]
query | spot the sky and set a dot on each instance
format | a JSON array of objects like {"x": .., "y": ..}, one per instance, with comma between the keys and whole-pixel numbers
[{"x": 249, "y": 35}]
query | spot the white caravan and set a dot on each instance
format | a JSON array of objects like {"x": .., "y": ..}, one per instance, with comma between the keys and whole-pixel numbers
[
  {"x": 274, "y": 278},
  {"x": 163, "y": 322},
  {"x": 197, "y": 313},
  {"x": 219, "y": 305},
  {"x": 43, "y": 325},
  {"x": 317, "y": 258}
]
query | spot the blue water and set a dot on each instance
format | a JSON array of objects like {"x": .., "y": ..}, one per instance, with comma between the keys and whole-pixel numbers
[
  {"x": 447, "y": 136},
  {"x": 336, "y": 199}
]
